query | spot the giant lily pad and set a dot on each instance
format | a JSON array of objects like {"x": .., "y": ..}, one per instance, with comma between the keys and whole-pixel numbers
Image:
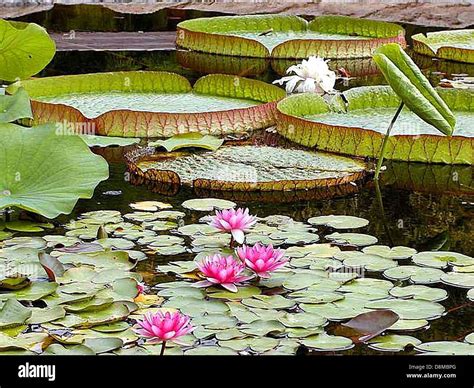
[
  {"x": 25, "y": 49},
  {"x": 282, "y": 36},
  {"x": 308, "y": 120},
  {"x": 69, "y": 170},
  {"x": 456, "y": 45},
  {"x": 250, "y": 168},
  {"x": 151, "y": 104}
]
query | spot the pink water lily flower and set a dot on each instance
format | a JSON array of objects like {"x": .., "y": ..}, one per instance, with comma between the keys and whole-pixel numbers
[
  {"x": 262, "y": 259},
  {"x": 162, "y": 327},
  {"x": 222, "y": 270},
  {"x": 234, "y": 221}
]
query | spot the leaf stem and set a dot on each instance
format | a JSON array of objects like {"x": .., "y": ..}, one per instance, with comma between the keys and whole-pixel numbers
[
  {"x": 163, "y": 346},
  {"x": 385, "y": 141}
]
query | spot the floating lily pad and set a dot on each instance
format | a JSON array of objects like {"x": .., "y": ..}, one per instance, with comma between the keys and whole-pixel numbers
[
  {"x": 409, "y": 324},
  {"x": 455, "y": 45},
  {"x": 339, "y": 222},
  {"x": 446, "y": 347},
  {"x": 32, "y": 292},
  {"x": 357, "y": 239},
  {"x": 355, "y": 259},
  {"x": 327, "y": 342},
  {"x": 210, "y": 351},
  {"x": 417, "y": 275},
  {"x": 281, "y": 36},
  {"x": 208, "y": 204},
  {"x": 242, "y": 293},
  {"x": 72, "y": 350},
  {"x": 456, "y": 279},
  {"x": 250, "y": 168},
  {"x": 13, "y": 313},
  {"x": 469, "y": 339},
  {"x": 302, "y": 320},
  {"x": 108, "y": 141},
  {"x": 393, "y": 342},
  {"x": 409, "y": 309},
  {"x": 256, "y": 344},
  {"x": 152, "y": 104},
  {"x": 185, "y": 140},
  {"x": 419, "y": 292},
  {"x": 394, "y": 253},
  {"x": 268, "y": 302},
  {"x": 44, "y": 315},
  {"x": 470, "y": 294},
  {"x": 442, "y": 259},
  {"x": 150, "y": 206},
  {"x": 360, "y": 131}
]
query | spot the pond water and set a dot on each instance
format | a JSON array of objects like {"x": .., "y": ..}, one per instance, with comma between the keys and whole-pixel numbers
[{"x": 420, "y": 206}]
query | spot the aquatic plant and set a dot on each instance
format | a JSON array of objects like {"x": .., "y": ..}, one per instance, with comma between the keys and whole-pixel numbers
[
  {"x": 311, "y": 75},
  {"x": 44, "y": 172},
  {"x": 234, "y": 221},
  {"x": 262, "y": 259},
  {"x": 414, "y": 90},
  {"x": 163, "y": 327},
  {"x": 26, "y": 48},
  {"x": 221, "y": 270}
]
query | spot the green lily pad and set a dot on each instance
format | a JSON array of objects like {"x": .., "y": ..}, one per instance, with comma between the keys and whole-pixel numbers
[
  {"x": 457, "y": 279},
  {"x": 340, "y": 310},
  {"x": 207, "y": 204},
  {"x": 312, "y": 251},
  {"x": 108, "y": 141},
  {"x": 27, "y": 341},
  {"x": 34, "y": 291},
  {"x": 394, "y": 253},
  {"x": 192, "y": 139},
  {"x": 262, "y": 327},
  {"x": 303, "y": 320},
  {"x": 325, "y": 342},
  {"x": 339, "y": 222},
  {"x": 446, "y": 347},
  {"x": 210, "y": 351},
  {"x": 242, "y": 293},
  {"x": 409, "y": 325},
  {"x": 197, "y": 229},
  {"x": 442, "y": 259},
  {"x": 470, "y": 294},
  {"x": 54, "y": 191},
  {"x": 417, "y": 275},
  {"x": 44, "y": 315},
  {"x": 294, "y": 237},
  {"x": 115, "y": 312},
  {"x": 103, "y": 345},
  {"x": 392, "y": 342},
  {"x": 262, "y": 344},
  {"x": 410, "y": 308},
  {"x": 469, "y": 339},
  {"x": 419, "y": 292},
  {"x": 357, "y": 239},
  {"x": 13, "y": 313},
  {"x": 72, "y": 350},
  {"x": 355, "y": 259},
  {"x": 26, "y": 49},
  {"x": 268, "y": 302}
]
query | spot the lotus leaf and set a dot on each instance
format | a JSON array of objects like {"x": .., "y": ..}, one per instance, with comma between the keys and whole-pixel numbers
[
  {"x": 25, "y": 50},
  {"x": 69, "y": 170}
]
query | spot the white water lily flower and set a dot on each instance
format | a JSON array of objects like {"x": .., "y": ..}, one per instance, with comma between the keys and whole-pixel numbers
[{"x": 312, "y": 75}]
